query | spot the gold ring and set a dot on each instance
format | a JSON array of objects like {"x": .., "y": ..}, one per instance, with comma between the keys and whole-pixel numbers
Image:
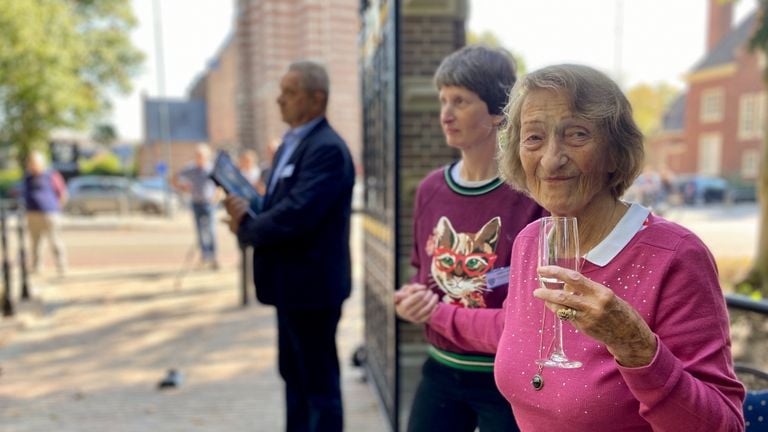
[{"x": 566, "y": 314}]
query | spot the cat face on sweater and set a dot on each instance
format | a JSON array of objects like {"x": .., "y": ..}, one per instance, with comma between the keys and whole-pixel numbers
[{"x": 460, "y": 261}]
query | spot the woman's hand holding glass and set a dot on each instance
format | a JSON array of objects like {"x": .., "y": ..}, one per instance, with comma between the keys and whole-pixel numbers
[
  {"x": 559, "y": 245},
  {"x": 601, "y": 315},
  {"x": 415, "y": 303}
]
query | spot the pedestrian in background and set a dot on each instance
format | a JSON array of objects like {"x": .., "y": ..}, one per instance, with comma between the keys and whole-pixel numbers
[
  {"x": 195, "y": 179},
  {"x": 45, "y": 193},
  {"x": 248, "y": 163},
  {"x": 463, "y": 256},
  {"x": 301, "y": 255}
]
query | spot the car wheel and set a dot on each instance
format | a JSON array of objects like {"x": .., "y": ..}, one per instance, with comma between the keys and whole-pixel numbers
[
  {"x": 77, "y": 209},
  {"x": 151, "y": 209}
]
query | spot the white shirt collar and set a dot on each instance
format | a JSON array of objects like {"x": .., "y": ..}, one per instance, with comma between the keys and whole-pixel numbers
[{"x": 619, "y": 237}]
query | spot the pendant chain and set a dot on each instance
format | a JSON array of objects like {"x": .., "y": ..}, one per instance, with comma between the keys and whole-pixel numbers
[{"x": 538, "y": 381}]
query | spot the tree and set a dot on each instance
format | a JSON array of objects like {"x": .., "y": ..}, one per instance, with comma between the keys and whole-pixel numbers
[
  {"x": 58, "y": 61},
  {"x": 649, "y": 104},
  {"x": 756, "y": 280},
  {"x": 104, "y": 134}
]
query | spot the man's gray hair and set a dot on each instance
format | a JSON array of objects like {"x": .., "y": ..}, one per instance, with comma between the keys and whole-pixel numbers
[{"x": 313, "y": 75}]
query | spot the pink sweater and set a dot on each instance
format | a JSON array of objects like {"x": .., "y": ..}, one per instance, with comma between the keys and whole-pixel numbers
[{"x": 667, "y": 274}]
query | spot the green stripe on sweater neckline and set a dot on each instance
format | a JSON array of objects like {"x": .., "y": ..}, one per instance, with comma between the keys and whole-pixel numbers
[{"x": 471, "y": 191}]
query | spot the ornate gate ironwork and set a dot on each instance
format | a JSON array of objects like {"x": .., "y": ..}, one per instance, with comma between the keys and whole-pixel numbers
[
  {"x": 380, "y": 93},
  {"x": 401, "y": 46}
]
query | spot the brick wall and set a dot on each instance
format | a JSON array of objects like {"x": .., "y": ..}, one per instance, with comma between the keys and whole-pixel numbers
[
  {"x": 221, "y": 97},
  {"x": 149, "y": 154},
  {"x": 273, "y": 33},
  {"x": 429, "y": 31},
  {"x": 426, "y": 38},
  {"x": 742, "y": 77}
]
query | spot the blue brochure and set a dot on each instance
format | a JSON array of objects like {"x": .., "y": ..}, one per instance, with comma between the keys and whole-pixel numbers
[{"x": 226, "y": 174}]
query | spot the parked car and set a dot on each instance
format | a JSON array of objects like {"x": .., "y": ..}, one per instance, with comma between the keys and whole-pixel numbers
[
  {"x": 701, "y": 189},
  {"x": 154, "y": 183},
  {"x": 161, "y": 186},
  {"x": 742, "y": 193},
  {"x": 94, "y": 194}
]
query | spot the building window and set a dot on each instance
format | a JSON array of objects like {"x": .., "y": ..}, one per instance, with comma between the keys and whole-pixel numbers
[
  {"x": 710, "y": 154},
  {"x": 749, "y": 163},
  {"x": 712, "y": 101},
  {"x": 751, "y": 116}
]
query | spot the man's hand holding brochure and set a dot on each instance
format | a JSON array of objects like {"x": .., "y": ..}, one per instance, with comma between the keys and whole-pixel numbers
[{"x": 226, "y": 174}]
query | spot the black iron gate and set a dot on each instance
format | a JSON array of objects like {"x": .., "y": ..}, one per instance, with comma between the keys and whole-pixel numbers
[
  {"x": 380, "y": 93},
  {"x": 401, "y": 45}
]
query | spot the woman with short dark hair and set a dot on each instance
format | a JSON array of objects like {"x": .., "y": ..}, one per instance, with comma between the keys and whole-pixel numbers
[{"x": 462, "y": 240}]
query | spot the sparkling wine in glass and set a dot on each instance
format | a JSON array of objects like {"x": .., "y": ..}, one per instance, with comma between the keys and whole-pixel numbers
[{"x": 558, "y": 245}]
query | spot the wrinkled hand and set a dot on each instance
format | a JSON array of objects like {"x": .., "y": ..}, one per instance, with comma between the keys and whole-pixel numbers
[
  {"x": 415, "y": 303},
  {"x": 602, "y": 315},
  {"x": 236, "y": 207}
]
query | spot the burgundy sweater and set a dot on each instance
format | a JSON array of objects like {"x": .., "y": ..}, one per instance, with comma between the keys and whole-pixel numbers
[{"x": 459, "y": 213}]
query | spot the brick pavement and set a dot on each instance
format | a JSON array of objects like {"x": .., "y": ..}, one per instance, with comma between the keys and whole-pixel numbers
[{"x": 88, "y": 354}]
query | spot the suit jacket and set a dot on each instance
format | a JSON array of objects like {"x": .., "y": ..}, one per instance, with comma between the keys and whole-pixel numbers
[{"x": 300, "y": 238}]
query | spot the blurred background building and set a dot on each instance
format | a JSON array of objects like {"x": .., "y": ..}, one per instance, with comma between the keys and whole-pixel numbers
[
  {"x": 716, "y": 126},
  {"x": 233, "y": 102}
]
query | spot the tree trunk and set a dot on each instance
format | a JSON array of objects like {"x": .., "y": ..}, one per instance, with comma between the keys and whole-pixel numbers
[{"x": 757, "y": 278}]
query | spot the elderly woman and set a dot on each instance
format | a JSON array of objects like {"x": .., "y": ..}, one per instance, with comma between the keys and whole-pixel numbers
[
  {"x": 463, "y": 256},
  {"x": 645, "y": 314}
]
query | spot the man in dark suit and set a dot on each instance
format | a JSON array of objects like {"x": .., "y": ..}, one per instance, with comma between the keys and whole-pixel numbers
[{"x": 301, "y": 260}]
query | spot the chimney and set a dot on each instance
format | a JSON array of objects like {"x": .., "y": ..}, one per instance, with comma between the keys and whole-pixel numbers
[{"x": 719, "y": 21}]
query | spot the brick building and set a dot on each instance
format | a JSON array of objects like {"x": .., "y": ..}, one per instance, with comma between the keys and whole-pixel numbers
[
  {"x": 238, "y": 90},
  {"x": 172, "y": 128},
  {"x": 269, "y": 35},
  {"x": 217, "y": 86},
  {"x": 717, "y": 126},
  {"x": 207, "y": 114}
]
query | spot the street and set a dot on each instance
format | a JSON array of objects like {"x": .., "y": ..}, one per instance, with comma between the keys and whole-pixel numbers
[
  {"x": 87, "y": 354},
  {"x": 730, "y": 231}
]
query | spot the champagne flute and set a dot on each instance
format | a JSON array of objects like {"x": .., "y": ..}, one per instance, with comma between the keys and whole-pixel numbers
[{"x": 558, "y": 245}]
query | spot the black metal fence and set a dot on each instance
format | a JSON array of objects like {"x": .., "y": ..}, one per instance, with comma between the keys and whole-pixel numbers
[
  {"x": 379, "y": 91},
  {"x": 749, "y": 335},
  {"x": 13, "y": 210}
]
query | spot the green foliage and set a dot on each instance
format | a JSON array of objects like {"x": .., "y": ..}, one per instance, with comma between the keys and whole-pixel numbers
[
  {"x": 58, "y": 61},
  {"x": 8, "y": 177},
  {"x": 104, "y": 134},
  {"x": 759, "y": 39},
  {"x": 649, "y": 104},
  {"x": 490, "y": 39},
  {"x": 749, "y": 290},
  {"x": 101, "y": 164}
]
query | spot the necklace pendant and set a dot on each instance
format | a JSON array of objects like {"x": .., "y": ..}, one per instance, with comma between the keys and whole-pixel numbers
[{"x": 537, "y": 382}]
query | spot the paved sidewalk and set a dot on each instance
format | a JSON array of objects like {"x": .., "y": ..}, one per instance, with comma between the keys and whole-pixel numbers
[{"x": 88, "y": 356}]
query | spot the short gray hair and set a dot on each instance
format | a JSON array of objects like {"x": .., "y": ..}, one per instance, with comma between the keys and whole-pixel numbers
[
  {"x": 595, "y": 98},
  {"x": 314, "y": 77},
  {"x": 488, "y": 72}
]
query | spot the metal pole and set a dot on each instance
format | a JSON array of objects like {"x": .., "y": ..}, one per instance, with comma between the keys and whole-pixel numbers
[
  {"x": 618, "y": 41},
  {"x": 21, "y": 212},
  {"x": 244, "y": 273},
  {"x": 165, "y": 128},
  {"x": 7, "y": 305}
]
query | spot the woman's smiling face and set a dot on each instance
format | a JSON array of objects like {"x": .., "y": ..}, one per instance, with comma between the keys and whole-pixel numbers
[{"x": 564, "y": 156}]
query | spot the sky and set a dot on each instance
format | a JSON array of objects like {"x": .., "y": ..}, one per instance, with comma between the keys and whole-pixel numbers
[{"x": 634, "y": 41}]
